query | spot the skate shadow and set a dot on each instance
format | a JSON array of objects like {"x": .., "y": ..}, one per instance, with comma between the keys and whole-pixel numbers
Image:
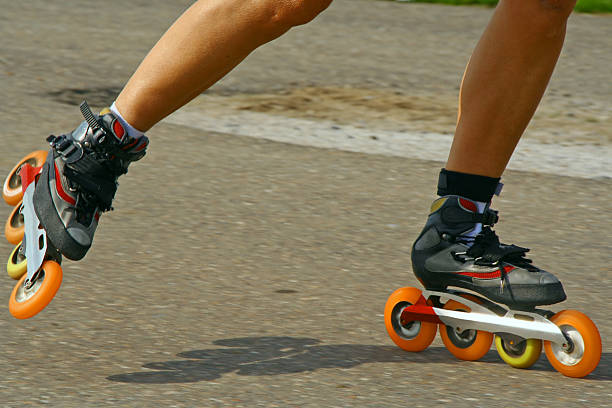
[
  {"x": 603, "y": 372},
  {"x": 256, "y": 356}
]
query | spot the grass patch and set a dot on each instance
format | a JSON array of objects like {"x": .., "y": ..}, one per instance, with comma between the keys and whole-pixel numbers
[
  {"x": 585, "y": 6},
  {"x": 594, "y": 6}
]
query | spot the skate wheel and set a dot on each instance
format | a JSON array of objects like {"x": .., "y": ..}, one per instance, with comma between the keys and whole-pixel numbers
[
  {"x": 410, "y": 336},
  {"x": 17, "y": 264},
  {"x": 13, "y": 230},
  {"x": 519, "y": 355},
  {"x": 26, "y": 302},
  {"x": 465, "y": 344},
  {"x": 11, "y": 192},
  {"x": 584, "y": 351}
]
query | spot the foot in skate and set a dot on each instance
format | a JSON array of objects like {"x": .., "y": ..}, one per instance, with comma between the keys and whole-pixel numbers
[
  {"x": 58, "y": 203},
  {"x": 79, "y": 179},
  {"x": 446, "y": 254}
]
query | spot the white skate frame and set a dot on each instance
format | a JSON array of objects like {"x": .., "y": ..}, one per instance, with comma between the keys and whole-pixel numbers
[
  {"x": 35, "y": 238},
  {"x": 527, "y": 325}
]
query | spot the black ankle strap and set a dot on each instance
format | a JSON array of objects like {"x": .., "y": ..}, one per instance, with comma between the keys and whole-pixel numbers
[{"x": 472, "y": 186}]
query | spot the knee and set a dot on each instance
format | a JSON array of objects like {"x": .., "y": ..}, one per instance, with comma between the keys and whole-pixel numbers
[
  {"x": 554, "y": 15},
  {"x": 557, "y": 10},
  {"x": 549, "y": 17},
  {"x": 290, "y": 13}
]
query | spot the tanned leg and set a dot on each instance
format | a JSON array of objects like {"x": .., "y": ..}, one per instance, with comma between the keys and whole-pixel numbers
[
  {"x": 203, "y": 45},
  {"x": 504, "y": 82}
]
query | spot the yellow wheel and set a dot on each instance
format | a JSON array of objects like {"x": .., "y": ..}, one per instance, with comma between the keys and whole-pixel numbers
[
  {"x": 26, "y": 301},
  {"x": 17, "y": 264},
  {"x": 11, "y": 191},
  {"x": 13, "y": 230},
  {"x": 582, "y": 352},
  {"x": 413, "y": 335},
  {"x": 522, "y": 354}
]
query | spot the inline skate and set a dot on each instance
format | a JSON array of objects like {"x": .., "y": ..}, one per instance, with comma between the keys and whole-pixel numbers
[
  {"x": 505, "y": 290},
  {"x": 58, "y": 197}
]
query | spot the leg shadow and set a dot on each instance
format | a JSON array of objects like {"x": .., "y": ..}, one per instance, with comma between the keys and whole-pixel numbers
[{"x": 256, "y": 356}]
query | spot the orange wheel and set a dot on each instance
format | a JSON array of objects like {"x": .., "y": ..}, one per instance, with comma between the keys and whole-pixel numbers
[
  {"x": 466, "y": 344},
  {"x": 583, "y": 352},
  {"x": 11, "y": 192},
  {"x": 410, "y": 336},
  {"x": 26, "y": 302},
  {"x": 13, "y": 230}
]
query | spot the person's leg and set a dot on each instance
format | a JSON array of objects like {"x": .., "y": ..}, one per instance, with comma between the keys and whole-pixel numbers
[
  {"x": 502, "y": 86},
  {"x": 79, "y": 179},
  {"x": 504, "y": 82},
  {"x": 202, "y": 46}
]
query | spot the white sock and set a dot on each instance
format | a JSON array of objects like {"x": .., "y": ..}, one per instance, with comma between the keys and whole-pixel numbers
[{"x": 131, "y": 130}]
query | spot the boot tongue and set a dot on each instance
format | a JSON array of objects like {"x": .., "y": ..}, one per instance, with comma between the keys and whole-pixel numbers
[{"x": 463, "y": 213}]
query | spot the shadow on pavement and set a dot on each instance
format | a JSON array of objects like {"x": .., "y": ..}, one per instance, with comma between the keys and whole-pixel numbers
[{"x": 285, "y": 355}]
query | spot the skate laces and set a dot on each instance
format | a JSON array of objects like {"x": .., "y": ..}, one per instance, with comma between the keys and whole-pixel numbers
[{"x": 487, "y": 250}]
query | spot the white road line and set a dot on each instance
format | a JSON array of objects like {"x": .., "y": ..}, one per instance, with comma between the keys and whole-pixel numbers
[{"x": 580, "y": 160}]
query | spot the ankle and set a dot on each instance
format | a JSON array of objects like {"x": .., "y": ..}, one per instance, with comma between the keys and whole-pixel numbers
[{"x": 131, "y": 130}]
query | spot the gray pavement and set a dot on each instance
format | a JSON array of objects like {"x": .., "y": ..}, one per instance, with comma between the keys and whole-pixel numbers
[{"x": 243, "y": 272}]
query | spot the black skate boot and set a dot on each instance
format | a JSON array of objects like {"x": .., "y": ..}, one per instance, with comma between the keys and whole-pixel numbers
[
  {"x": 79, "y": 179},
  {"x": 444, "y": 255}
]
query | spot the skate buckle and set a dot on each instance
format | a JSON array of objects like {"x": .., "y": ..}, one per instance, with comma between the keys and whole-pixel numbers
[
  {"x": 69, "y": 151},
  {"x": 461, "y": 256}
]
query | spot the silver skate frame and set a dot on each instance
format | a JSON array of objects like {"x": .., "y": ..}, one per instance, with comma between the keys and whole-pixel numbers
[
  {"x": 35, "y": 238},
  {"x": 527, "y": 325}
]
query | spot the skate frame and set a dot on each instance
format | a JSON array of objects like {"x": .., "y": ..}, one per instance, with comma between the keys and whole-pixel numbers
[
  {"x": 491, "y": 318},
  {"x": 36, "y": 243}
]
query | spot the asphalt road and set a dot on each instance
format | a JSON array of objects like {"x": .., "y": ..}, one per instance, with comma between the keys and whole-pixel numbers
[{"x": 243, "y": 272}]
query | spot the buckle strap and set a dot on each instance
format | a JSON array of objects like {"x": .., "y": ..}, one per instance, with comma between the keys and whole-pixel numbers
[
  {"x": 488, "y": 218},
  {"x": 87, "y": 173},
  {"x": 487, "y": 249},
  {"x": 69, "y": 151},
  {"x": 100, "y": 187}
]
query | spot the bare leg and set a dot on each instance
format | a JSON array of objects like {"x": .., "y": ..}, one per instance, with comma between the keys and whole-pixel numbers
[
  {"x": 504, "y": 82},
  {"x": 502, "y": 86},
  {"x": 202, "y": 46}
]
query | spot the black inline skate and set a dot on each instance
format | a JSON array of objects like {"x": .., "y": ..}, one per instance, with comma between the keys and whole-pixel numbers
[
  {"x": 448, "y": 254},
  {"x": 443, "y": 256},
  {"x": 58, "y": 197}
]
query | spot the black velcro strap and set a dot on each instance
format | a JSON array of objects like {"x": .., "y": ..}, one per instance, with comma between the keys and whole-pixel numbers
[
  {"x": 487, "y": 250},
  {"x": 472, "y": 186},
  {"x": 101, "y": 187}
]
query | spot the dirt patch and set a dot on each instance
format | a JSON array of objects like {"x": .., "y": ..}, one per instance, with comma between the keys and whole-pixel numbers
[
  {"x": 367, "y": 108},
  {"x": 559, "y": 119}
]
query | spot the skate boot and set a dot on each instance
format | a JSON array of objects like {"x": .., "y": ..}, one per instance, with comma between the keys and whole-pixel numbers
[
  {"x": 458, "y": 248},
  {"x": 445, "y": 255},
  {"x": 79, "y": 179}
]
